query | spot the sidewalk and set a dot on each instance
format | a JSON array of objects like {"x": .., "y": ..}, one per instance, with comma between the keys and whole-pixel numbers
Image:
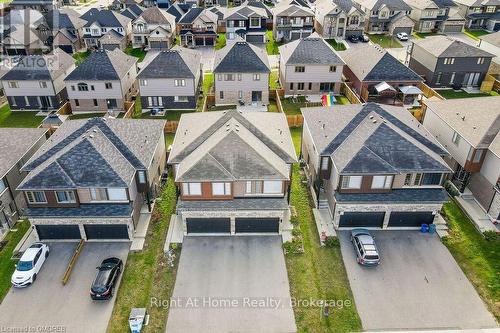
[{"x": 477, "y": 215}]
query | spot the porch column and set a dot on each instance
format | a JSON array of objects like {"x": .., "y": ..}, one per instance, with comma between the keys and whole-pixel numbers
[{"x": 233, "y": 225}]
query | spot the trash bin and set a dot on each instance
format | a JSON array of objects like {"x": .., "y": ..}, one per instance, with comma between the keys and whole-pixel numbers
[
  {"x": 432, "y": 228},
  {"x": 424, "y": 228},
  {"x": 137, "y": 319}
]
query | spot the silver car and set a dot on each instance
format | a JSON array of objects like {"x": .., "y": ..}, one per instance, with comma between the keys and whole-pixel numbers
[{"x": 365, "y": 247}]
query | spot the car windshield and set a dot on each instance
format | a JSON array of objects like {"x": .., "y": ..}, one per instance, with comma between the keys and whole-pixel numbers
[
  {"x": 24, "y": 266},
  {"x": 371, "y": 257},
  {"x": 102, "y": 278}
]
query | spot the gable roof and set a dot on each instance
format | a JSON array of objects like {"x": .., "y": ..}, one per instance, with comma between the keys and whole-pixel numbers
[
  {"x": 111, "y": 37},
  {"x": 241, "y": 57},
  {"x": 191, "y": 15},
  {"x": 291, "y": 10},
  {"x": 374, "y": 5},
  {"x": 63, "y": 18},
  {"x": 17, "y": 142},
  {"x": 155, "y": 15},
  {"x": 94, "y": 152},
  {"x": 178, "y": 9},
  {"x": 243, "y": 12},
  {"x": 444, "y": 46},
  {"x": 103, "y": 65},
  {"x": 310, "y": 50},
  {"x": 178, "y": 62},
  {"x": 132, "y": 12},
  {"x": 376, "y": 65},
  {"x": 373, "y": 139},
  {"x": 105, "y": 18},
  {"x": 493, "y": 38}
]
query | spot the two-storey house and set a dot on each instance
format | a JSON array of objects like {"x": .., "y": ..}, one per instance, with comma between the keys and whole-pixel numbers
[
  {"x": 103, "y": 82},
  {"x": 241, "y": 75},
  {"x": 62, "y": 28},
  {"x": 19, "y": 34},
  {"x": 17, "y": 145},
  {"x": 100, "y": 22},
  {"x": 480, "y": 14},
  {"x": 373, "y": 166},
  {"x": 310, "y": 66},
  {"x": 37, "y": 82},
  {"x": 171, "y": 80},
  {"x": 470, "y": 130},
  {"x": 233, "y": 171},
  {"x": 436, "y": 16},
  {"x": 153, "y": 29},
  {"x": 246, "y": 22},
  {"x": 447, "y": 62},
  {"x": 491, "y": 43},
  {"x": 291, "y": 22},
  {"x": 198, "y": 27},
  {"x": 93, "y": 177},
  {"x": 387, "y": 16},
  {"x": 338, "y": 19}
]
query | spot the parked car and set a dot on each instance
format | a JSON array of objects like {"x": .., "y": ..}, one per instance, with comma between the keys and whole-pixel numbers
[
  {"x": 364, "y": 38},
  {"x": 106, "y": 279},
  {"x": 29, "y": 265},
  {"x": 353, "y": 39},
  {"x": 365, "y": 247},
  {"x": 402, "y": 36}
]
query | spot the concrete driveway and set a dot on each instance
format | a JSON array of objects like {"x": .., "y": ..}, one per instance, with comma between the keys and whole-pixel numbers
[
  {"x": 231, "y": 284},
  {"x": 418, "y": 285},
  {"x": 48, "y": 303}
]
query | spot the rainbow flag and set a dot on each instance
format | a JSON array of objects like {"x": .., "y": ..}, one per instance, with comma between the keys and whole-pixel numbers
[{"x": 328, "y": 100}]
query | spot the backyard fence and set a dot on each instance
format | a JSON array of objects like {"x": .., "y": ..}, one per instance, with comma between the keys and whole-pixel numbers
[
  {"x": 129, "y": 109},
  {"x": 295, "y": 120},
  {"x": 171, "y": 126},
  {"x": 347, "y": 92}
]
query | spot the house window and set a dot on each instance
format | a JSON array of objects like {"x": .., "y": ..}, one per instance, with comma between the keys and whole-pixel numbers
[
  {"x": 273, "y": 187},
  {"x": 92, "y": 88},
  {"x": 108, "y": 85},
  {"x": 72, "y": 88},
  {"x": 117, "y": 194},
  {"x": 77, "y": 103},
  {"x": 490, "y": 9},
  {"x": 310, "y": 86},
  {"x": 180, "y": 83},
  {"x": 240, "y": 94},
  {"x": 291, "y": 85},
  {"x": 43, "y": 84},
  {"x": 431, "y": 179},
  {"x": 354, "y": 19},
  {"x": 181, "y": 99},
  {"x": 2, "y": 185},
  {"x": 449, "y": 61},
  {"x": 65, "y": 197},
  {"x": 407, "y": 179},
  {"x": 191, "y": 188},
  {"x": 438, "y": 78},
  {"x": 418, "y": 177},
  {"x": 239, "y": 76},
  {"x": 300, "y": 69},
  {"x": 36, "y": 197},
  {"x": 480, "y": 61},
  {"x": 324, "y": 163},
  {"x": 221, "y": 188},
  {"x": 256, "y": 77},
  {"x": 381, "y": 182},
  {"x": 255, "y": 22},
  {"x": 95, "y": 102},
  {"x": 351, "y": 182},
  {"x": 141, "y": 176},
  {"x": 452, "y": 78},
  {"x": 98, "y": 194},
  {"x": 219, "y": 77},
  {"x": 143, "y": 82},
  {"x": 221, "y": 95},
  {"x": 300, "y": 86},
  {"x": 477, "y": 156},
  {"x": 228, "y": 77},
  {"x": 82, "y": 87},
  {"x": 455, "y": 138},
  {"x": 333, "y": 69}
]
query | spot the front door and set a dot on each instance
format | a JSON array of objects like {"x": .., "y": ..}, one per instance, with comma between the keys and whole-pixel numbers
[
  {"x": 340, "y": 32},
  {"x": 44, "y": 102},
  {"x": 111, "y": 104},
  {"x": 256, "y": 96}
]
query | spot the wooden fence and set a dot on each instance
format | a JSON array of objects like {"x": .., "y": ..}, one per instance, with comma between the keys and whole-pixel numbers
[
  {"x": 65, "y": 109},
  {"x": 351, "y": 95},
  {"x": 295, "y": 120},
  {"x": 428, "y": 91},
  {"x": 130, "y": 109},
  {"x": 171, "y": 126},
  {"x": 489, "y": 84}
]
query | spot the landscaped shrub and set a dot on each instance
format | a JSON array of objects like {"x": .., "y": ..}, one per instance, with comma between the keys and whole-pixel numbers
[
  {"x": 332, "y": 241},
  {"x": 294, "y": 247},
  {"x": 491, "y": 236},
  {"x": 451, "y": 189}
]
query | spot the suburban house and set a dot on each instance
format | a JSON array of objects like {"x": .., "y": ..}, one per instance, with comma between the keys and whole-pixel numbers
[
  {"x": 291, "y": 22},
  {"x": 18, "y": 145},
  {"x": 133, "y": 11},
  {"x": 375, "y": 75},
  {"x": 36, "y": 82},
  {"x": 247, "y": 22},
  {"x": 373, "y": 166},
  {"x": 178, "y": 10},
  {"x": 480, "y": 14},
  {"x": 233, "y": 171},
  {"x": 19, "y": 34},
  {"x": 491, "y": 44},
  {"x": 387, "y": 16},
  {"x": 436, "y": 16},
  {"x": 171, "y": 80},
  {"x": 93, "y": 176},
  {"x": 198, "y": 27},
  {"x": 241, "y": 75},
  {"x": 338, "y": 19},
  {"x": 62, "y": 28},
  {"x": 310, "y": 66},
  {"x": 123, "y": 4},
  {"x": 100, "y": 22},
  {"x": 104, "y": 82},
  {"x": 153, "y": 29},
  {"x": 470, "y": 130},
  {"x": 447, "y": 62},
  {"x": 42, "y": 6}
]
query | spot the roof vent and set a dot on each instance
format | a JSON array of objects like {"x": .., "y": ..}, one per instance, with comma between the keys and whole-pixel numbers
[
  {"x": 91, "y": 135},
  {"x": 323, "y": 126},
  {"x": 463, "y": 118},
  {"x": 95, "y": 130},
  {"x": 371, "y": 117},
  {"x": 374, "y": 121}
]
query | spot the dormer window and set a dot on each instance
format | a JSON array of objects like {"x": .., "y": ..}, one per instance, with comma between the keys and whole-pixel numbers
[
  {"x": 351, "y": 182},
  {"x": 36, "y": 197},
  {"x": 382, "y": 182},
  {"x": 65, "y": 197},
  {"x": 83, "y": 87}
]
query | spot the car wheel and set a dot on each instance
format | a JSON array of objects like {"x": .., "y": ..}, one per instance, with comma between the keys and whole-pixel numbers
[{"x": 46, "y": 254}]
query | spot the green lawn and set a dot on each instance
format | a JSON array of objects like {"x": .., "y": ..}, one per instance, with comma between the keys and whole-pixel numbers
[
  {"x": 274, "y": 80},
  {"x": 146, "y": 274},
  {"x": 208, "y": 82},
  {"x": 451, "y": 94},
  {"x": 385, "y": 41},
  {"x": 138, "y": 53},
  {"x": 221, "y": 41},
  {"x": 86, "y": 115},
  {"x": 271, "y": 44},
  {"x": 319, "y": 273},
  {"x": 292, "y": 108},
  {"x": 421, "y": 35},
  {"x": 170, "y": 115},
  {"x": 7, "y": 266},
  {"x": 335, "y": 45},
  {"x": 342, "y": 100},
  {"x": 475, "y": 34},
  {"x": 18, "y": 118},
  {"x": 479, "y": 258},
  {"x": 272, "y": 107},
  {"x": 80, "y": 57}
]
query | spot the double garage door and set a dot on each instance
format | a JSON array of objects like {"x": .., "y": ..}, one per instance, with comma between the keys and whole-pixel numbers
[
  {"x": 92, "y": 231},
  {"x": 453, "y": 28},
  {"x": 223, "y": 225},
  {"x": 376, "y": 219}
]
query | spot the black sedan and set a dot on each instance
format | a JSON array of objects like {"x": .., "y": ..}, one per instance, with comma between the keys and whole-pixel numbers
[
  {"x": 106, "y": 279},
  {"x": 353, "y": 38}
]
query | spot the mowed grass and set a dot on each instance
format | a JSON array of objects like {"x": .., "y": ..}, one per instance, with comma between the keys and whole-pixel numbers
[
  {"x": 479, "y": 258},
  {"x": 335, "y": 45},
  {"x": 451, "y": 94},
  {"x": 18, "y": 118},
  {"x": 7, "y": 266},
  {"x": 221, "y": 41},
  {"x": 274, "y": 80},
  {"x": 475, "y": 34},
  {"x": 137, "y": 52},
  {"x": 80, "y": 57},
  {"x": 146, "y": 275},
  {"x": 319, "y": 273},
  {"x": 386, "y": 41},
  {"x": 272, "y": 46}
]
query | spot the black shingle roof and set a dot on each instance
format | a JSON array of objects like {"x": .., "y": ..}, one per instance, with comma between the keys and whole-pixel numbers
[
  {"x": 312, "y": 50},
  {"x": 191, "y": 15},
  {"x": 105, "y": 18},
  {"x": 437, "y": 195},
  {"x": 25, "y": 70},
  {"x": 85, "y": 210},
  {"x": 98, "y": 66},
  {"x": 391, "y": 69},
  {"x": 241, "y": 58},
  {"x": 167, "y": 64},
  {"x": 235, "y": 204}
]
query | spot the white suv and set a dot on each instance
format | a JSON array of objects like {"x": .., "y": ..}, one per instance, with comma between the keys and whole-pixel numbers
[
  {"x": 402, "y": 36},
  {"x": 30, "y": 264}
]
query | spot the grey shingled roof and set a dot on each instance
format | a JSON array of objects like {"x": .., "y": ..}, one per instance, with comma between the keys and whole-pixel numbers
[
  {"x": 312, "y": 50},
  {"x": 493, "y": 38},
  {"x": 241, "y": 57},
  {"x": 191, "y": 15},
  {"x": 105, "y": 18},
  {"x": 423, "y": 195},
  {"x": 375, "y": 5},
  {"x": 174, "y": 63},
  {"x": 15, "y": 143},
  {"x": 87, "y": 210},
  {"x": 235, "y": 204},
  {"x": 444, "y": 46},
  {"x": 103, "y": 65}
]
